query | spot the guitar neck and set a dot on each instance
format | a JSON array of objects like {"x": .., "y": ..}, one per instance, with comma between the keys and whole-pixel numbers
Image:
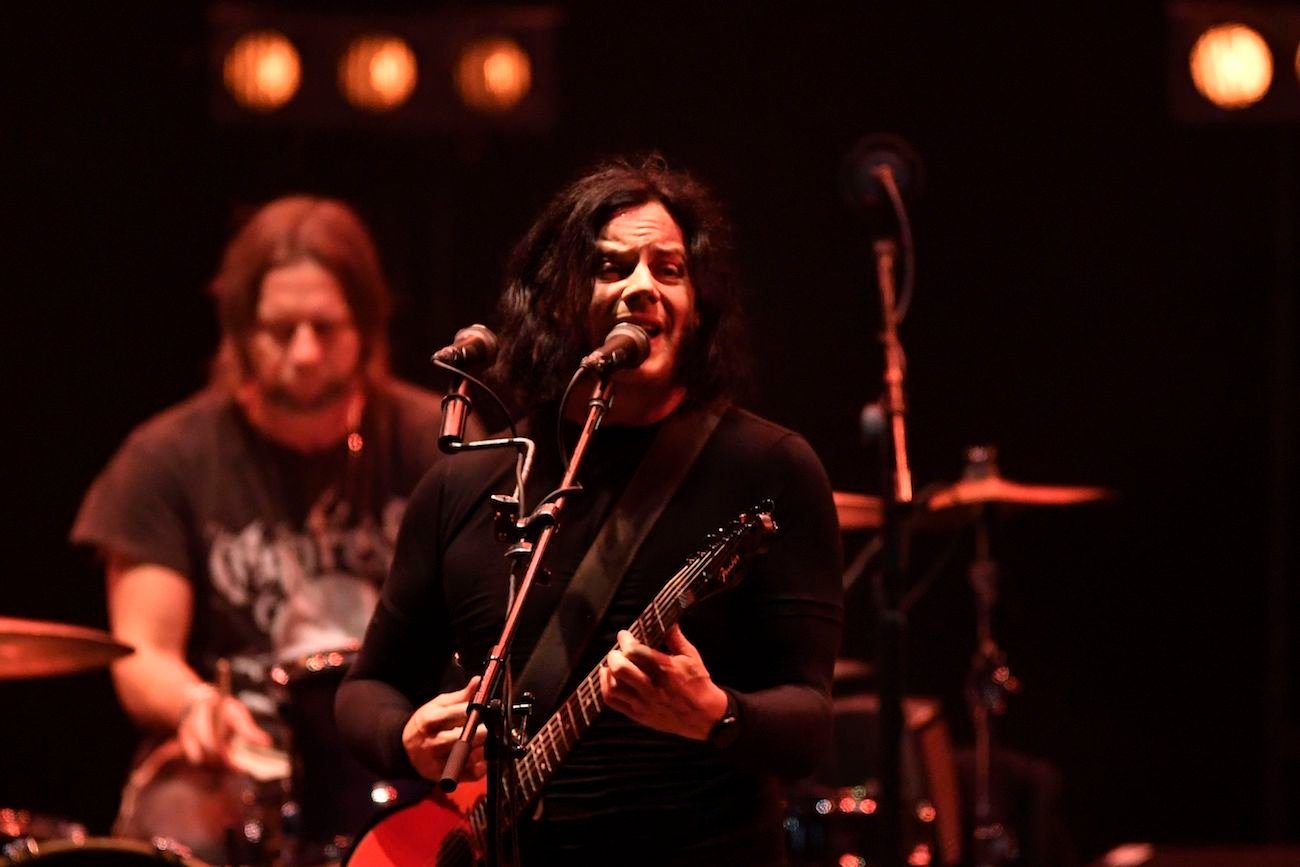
[
  {"x": 708, "y": 571},
  {"x": 548, "y": 748}
]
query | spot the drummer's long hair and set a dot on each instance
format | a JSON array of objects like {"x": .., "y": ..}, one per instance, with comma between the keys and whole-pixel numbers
[{"x": 290, "y": 230}]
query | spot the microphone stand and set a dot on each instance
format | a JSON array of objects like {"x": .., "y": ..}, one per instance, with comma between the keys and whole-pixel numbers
[
  {"x": 891, "y": 625},
  {"x": 456, "y": 407},
  {"x": 485, "y": 706}
]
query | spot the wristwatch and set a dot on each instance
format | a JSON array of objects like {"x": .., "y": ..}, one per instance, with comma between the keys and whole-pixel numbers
[{"x": 727, "y": 728}]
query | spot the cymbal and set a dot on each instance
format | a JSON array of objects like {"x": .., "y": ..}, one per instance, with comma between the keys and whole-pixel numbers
[
  {"x": 918, "y": 711},
  {"x": 858, "y": 511},
  {"x": 851, "y": 669},
  {"x": 995, "y": 489},
  {"x": 35, "y": 648}
]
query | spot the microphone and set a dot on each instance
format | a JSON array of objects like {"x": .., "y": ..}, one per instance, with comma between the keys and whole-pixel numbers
[
  {"x": 472, "y": 347},
  {"x": 626, "y": 346},
  {"x": 876, "y": 153}
]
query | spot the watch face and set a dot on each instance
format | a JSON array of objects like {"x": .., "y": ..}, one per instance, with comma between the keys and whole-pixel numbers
[{"x": 724, "y": 731}]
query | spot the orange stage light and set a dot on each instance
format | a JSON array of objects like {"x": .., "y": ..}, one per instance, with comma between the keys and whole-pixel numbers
[
  {"x": 493, "y": 75},
  {"x": 1231, "y": 66},
  {"x": 378, "y": 72},
  {"x": 262, "y": 70}
]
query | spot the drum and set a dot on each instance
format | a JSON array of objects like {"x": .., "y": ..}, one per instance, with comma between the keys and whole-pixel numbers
[
  {"x": 830, "y": 818},
  {"x": 299, "y": 804},
  {"x": 333, "y": 795},
  {"x": 20, "y": 824},
  {"x": 95, "y": 852},
  {"x": 221, "y": 815}
]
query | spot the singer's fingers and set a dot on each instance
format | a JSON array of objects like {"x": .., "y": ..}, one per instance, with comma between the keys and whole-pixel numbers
[
  {"x": 459, "y": 696},
  {"x": 643, "y": 656},
  {"x": 676, "y": 642},
  {"x": 433, "y": 718}
]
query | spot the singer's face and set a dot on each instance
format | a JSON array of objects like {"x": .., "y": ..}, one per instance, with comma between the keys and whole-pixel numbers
[
  {"x": 304, "y": 351},
  {"x": 642, "y": 278}
]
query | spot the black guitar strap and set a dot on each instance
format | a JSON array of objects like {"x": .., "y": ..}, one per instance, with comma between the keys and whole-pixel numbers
[{"x": 582, "y": 607}]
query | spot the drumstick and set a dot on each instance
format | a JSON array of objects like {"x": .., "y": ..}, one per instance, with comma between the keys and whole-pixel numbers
[{"x": 223, "y": 691}]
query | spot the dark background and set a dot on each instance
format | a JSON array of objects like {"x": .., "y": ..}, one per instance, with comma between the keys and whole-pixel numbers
[{"x": 1098, "y": 294}]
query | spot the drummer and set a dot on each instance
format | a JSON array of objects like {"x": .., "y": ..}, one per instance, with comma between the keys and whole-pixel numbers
[{"x": 256, "y": 519}]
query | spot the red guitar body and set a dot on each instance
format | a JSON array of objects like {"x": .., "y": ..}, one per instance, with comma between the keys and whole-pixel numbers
[{"x": 414, "y": 835}]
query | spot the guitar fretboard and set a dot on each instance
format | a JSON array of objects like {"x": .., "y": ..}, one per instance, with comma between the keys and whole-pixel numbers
[{"x": 553, "y": 741}]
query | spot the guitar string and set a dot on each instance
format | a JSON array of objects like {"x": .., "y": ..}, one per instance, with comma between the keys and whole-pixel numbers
[
  {"x": 546, "y": 738},
  {"x": 526, "y": 769}
]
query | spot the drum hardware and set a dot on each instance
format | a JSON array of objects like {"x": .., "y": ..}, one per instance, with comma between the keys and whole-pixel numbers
[
  {"x": 990, "y": 680},
  {"x": 36, "y": 648},
  {"x": 832, "y": 817},
  {"x": 976, "y": 500},
  {"x": 16, "y": 824},
  {"x": 98, "y": 851},
  {"x": 21, "y": 830},
  {"x": 333, "y": 797}
]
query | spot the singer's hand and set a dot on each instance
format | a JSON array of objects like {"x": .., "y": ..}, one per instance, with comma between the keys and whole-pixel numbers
[
  {"x": 435, "y": 727},
  {"x": 670, "y": 692}
]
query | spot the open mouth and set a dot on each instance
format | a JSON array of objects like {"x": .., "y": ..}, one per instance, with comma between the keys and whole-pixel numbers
[{"x": 653, "y": 329}]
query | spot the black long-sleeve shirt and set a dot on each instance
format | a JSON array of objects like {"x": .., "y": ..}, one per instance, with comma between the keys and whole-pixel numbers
[{"x": 625, "y": 790}]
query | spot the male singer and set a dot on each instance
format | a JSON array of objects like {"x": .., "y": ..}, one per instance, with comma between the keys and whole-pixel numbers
[{"x": 681, "y": 767}]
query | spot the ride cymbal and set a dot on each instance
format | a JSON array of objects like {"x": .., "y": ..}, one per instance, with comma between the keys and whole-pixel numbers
[
  {"x": 858, "y": 511},
  {"x": 36, "y": 648},
  {"x": 995, "y": 489}
]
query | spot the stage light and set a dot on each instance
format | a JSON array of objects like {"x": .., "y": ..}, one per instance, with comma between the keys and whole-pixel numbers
[
  {"x": 378, "y": 72},
  {"x": 262, "y": 70},
  {"x": 450, "y": 71},
  {"x": 1231, "y": 66},
  {"x": 493, "y": 75}
]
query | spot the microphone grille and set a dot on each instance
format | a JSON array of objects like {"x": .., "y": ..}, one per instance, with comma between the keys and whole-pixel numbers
[{"x": 638, "y": 335}]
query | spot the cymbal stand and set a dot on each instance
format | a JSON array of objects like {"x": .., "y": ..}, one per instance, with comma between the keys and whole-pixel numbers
[{"x": 988, "y": 684}]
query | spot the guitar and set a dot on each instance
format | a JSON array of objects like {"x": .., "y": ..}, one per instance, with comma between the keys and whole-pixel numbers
[{"x": 451, "y": 831}]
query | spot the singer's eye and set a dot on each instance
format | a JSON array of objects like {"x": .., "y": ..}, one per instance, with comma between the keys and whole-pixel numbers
[
  {"x": 671, "y": 270},
  {"x": 608, "y": 270}
]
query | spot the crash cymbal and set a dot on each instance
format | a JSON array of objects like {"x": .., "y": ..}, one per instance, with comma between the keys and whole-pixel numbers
[
  {"x": 851, "y": 669},
  {"x": 35, "y": 648},
  {"x": 995, "y": 489},
  {"x": 857, "y": 511}
]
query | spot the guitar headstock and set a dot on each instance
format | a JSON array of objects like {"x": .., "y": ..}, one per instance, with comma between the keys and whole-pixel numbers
[{"x": 729, "y": 549}]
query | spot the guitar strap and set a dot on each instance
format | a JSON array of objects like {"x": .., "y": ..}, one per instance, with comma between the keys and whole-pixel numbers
[{"x": 571, "y": 628}]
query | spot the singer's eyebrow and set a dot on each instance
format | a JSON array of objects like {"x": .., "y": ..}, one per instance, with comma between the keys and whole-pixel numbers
[{"x": 607, "y": 246}]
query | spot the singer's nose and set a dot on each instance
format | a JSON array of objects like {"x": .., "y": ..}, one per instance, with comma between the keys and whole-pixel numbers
[{"x": 641, "y": 289}]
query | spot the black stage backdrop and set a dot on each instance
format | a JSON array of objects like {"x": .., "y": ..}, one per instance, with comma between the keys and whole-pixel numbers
[{"x": 1093, "y": 296}]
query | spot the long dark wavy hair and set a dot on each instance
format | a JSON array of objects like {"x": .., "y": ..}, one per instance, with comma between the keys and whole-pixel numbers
[
  {"x": 544, "y": 310},
  {"x": 286, "y": 231}
]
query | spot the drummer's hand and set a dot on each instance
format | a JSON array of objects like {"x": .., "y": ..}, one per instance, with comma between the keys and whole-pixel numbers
[
  {"x": 435, "y": 727},
  {"x": 210, "y": 722},
  {"x": 669, "y": 692}
]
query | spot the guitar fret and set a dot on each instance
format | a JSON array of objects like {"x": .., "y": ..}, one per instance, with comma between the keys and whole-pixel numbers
[
  {"x": 544, "y": 743},
  {"x": 554, "y": 753},
  {"x": 571, "y": 732},
  {"x": 582, "y": 705},
  {"x": 529, "y": 777}
]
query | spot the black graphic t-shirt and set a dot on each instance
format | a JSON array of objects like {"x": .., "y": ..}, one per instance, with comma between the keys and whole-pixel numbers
[{"x": 285, "y": 551}]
